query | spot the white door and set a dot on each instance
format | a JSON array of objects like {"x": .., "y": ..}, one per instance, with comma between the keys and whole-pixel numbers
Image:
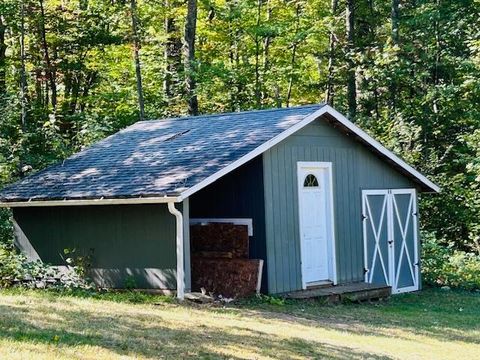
[
  {"x": 391, "y": 239},
  {"x": 376, "y": 235},
  {"x": 405, "y": 248},
  {"x": 315, "y": 211}
]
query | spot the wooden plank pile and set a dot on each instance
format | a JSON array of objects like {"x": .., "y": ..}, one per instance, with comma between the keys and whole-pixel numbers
[{"x": 220, "y": 262}]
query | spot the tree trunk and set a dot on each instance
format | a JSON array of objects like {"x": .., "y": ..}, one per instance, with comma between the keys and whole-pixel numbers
[
  {"x": 436, "y": 71},
  {"x": 90, "y": 80},
  {"x": 395, "y": 21},
  {"x": 231, "y": 81},
  {"x": 167, "y": 80},
  {"x": 258, "y": 92},
  {"x": 23, "y": 88},
  {"x": 351, "y": 83},
  {"x": 266, "y": 54},
  {"x": 172, "y": 52},
  {"x": 329, "y": 97},
  {"x": 189, "y": 53},
  {"x": 3, "y": 53},
  {"x": 436, "y": 26},
  {"x": 294, "y": 54},
  {"x": 395, "y": 35},
  {"x": 23, "y": 78},
  {"x": 136, "y": 57},
  {"x": 67, "y": 91},
  {"x": 266, "y": 64},
  {"x": 74, "y": 96},
  {"x": 234, "y": 84},
  {"x": 39, "y": 96},
  {"x": 48, "y": 64}
]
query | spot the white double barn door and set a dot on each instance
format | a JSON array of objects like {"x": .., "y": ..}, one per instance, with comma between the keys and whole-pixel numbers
[{"x": 391, "y": 238}]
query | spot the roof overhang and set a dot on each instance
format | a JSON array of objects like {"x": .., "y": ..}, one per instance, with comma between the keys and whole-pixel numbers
[{"x": 100, "y": 201}]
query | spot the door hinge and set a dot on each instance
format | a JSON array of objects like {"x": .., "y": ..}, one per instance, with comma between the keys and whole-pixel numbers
[
  {"x": 390, "y": 242},
  {"x": 364, "y": 217},
  {"x": 365, "y": 270},
  {"x": 414, "y": 213}
]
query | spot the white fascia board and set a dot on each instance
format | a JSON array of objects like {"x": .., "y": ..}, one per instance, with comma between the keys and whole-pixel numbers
[
  {"x": 100, "y": 201},
  {"x": 326, "y": 109}
]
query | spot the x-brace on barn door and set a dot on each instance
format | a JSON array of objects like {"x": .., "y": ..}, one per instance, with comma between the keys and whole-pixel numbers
[{"x": 391, "y": 238}]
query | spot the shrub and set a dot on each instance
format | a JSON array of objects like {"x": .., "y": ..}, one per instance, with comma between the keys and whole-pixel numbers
[
  {"x": 78, "y": 266},
  {"x": 444, "y": 266},
  {"x": 11, "y": 266},
  {"x": 16, "y": 269},
  {"x": 130, "y": 282}
]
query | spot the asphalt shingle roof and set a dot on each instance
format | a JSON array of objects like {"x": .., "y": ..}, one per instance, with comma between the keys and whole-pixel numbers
[{"x": 157, "y": 158}]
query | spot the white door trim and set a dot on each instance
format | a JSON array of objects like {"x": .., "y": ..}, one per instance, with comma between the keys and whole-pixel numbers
[
  {"x": 377, "y": 253},
  {"x": 392, "y": 217},
  {"x": 415, "y": 270},
  {"x": 332, "y": 260}
]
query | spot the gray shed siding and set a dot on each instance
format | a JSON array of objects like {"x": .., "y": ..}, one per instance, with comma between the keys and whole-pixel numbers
[
  {"x": 124, "y": 240},
  {"x": 354, "y": 168},
  {"x": 238, "y": 194}
]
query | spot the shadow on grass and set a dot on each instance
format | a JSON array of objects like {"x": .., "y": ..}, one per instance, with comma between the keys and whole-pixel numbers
[
  {"x": 129, "y": 336},
  {"x": 452, "y": 316}
]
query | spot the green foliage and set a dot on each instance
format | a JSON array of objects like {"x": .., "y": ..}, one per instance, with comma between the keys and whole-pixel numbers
[
  {"x": 132, "y": 297},
  {"x": 11, "y": 266},
  {"x": 267, "y": 299},
  {"x": 17, "y": 270},
  {"x": 445, "y": 266},
  {"x": 54, "y": 292},
  {"x": 78, "y": 263},
  {"x": 130, "y": 282}
]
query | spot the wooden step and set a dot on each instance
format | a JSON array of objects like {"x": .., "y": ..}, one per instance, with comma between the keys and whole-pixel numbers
[
  {"x": 354, "y": 292},
  {"x": 319, "y": 284}
]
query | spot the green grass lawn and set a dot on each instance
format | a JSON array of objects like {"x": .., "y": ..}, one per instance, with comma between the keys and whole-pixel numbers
[{"x": 433, "y": 324}]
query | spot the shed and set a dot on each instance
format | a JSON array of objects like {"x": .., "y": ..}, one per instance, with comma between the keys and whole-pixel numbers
[{"x": 324, "y": 201}]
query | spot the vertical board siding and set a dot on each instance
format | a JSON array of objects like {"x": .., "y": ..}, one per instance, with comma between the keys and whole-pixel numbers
[
  {"x": 290, "y": 184},
  {"x": 277, "y": 227},
  {"x": 123, "y": 240},
  {"x": 238, "y": 195},
  {"x": 355, "y": 209},
  {"x": 354, "y": 168},
  {"x": 269, "y": 225}
]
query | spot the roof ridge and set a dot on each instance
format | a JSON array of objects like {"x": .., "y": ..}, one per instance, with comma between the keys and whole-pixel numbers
[{"x": 191, "y": 117}]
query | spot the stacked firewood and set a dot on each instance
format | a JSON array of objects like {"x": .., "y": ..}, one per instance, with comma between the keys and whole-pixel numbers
[{"x": 220, "y": 263}]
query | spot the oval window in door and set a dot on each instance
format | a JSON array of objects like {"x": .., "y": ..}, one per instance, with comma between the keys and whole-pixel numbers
[{"x": 310, "y": 181}]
